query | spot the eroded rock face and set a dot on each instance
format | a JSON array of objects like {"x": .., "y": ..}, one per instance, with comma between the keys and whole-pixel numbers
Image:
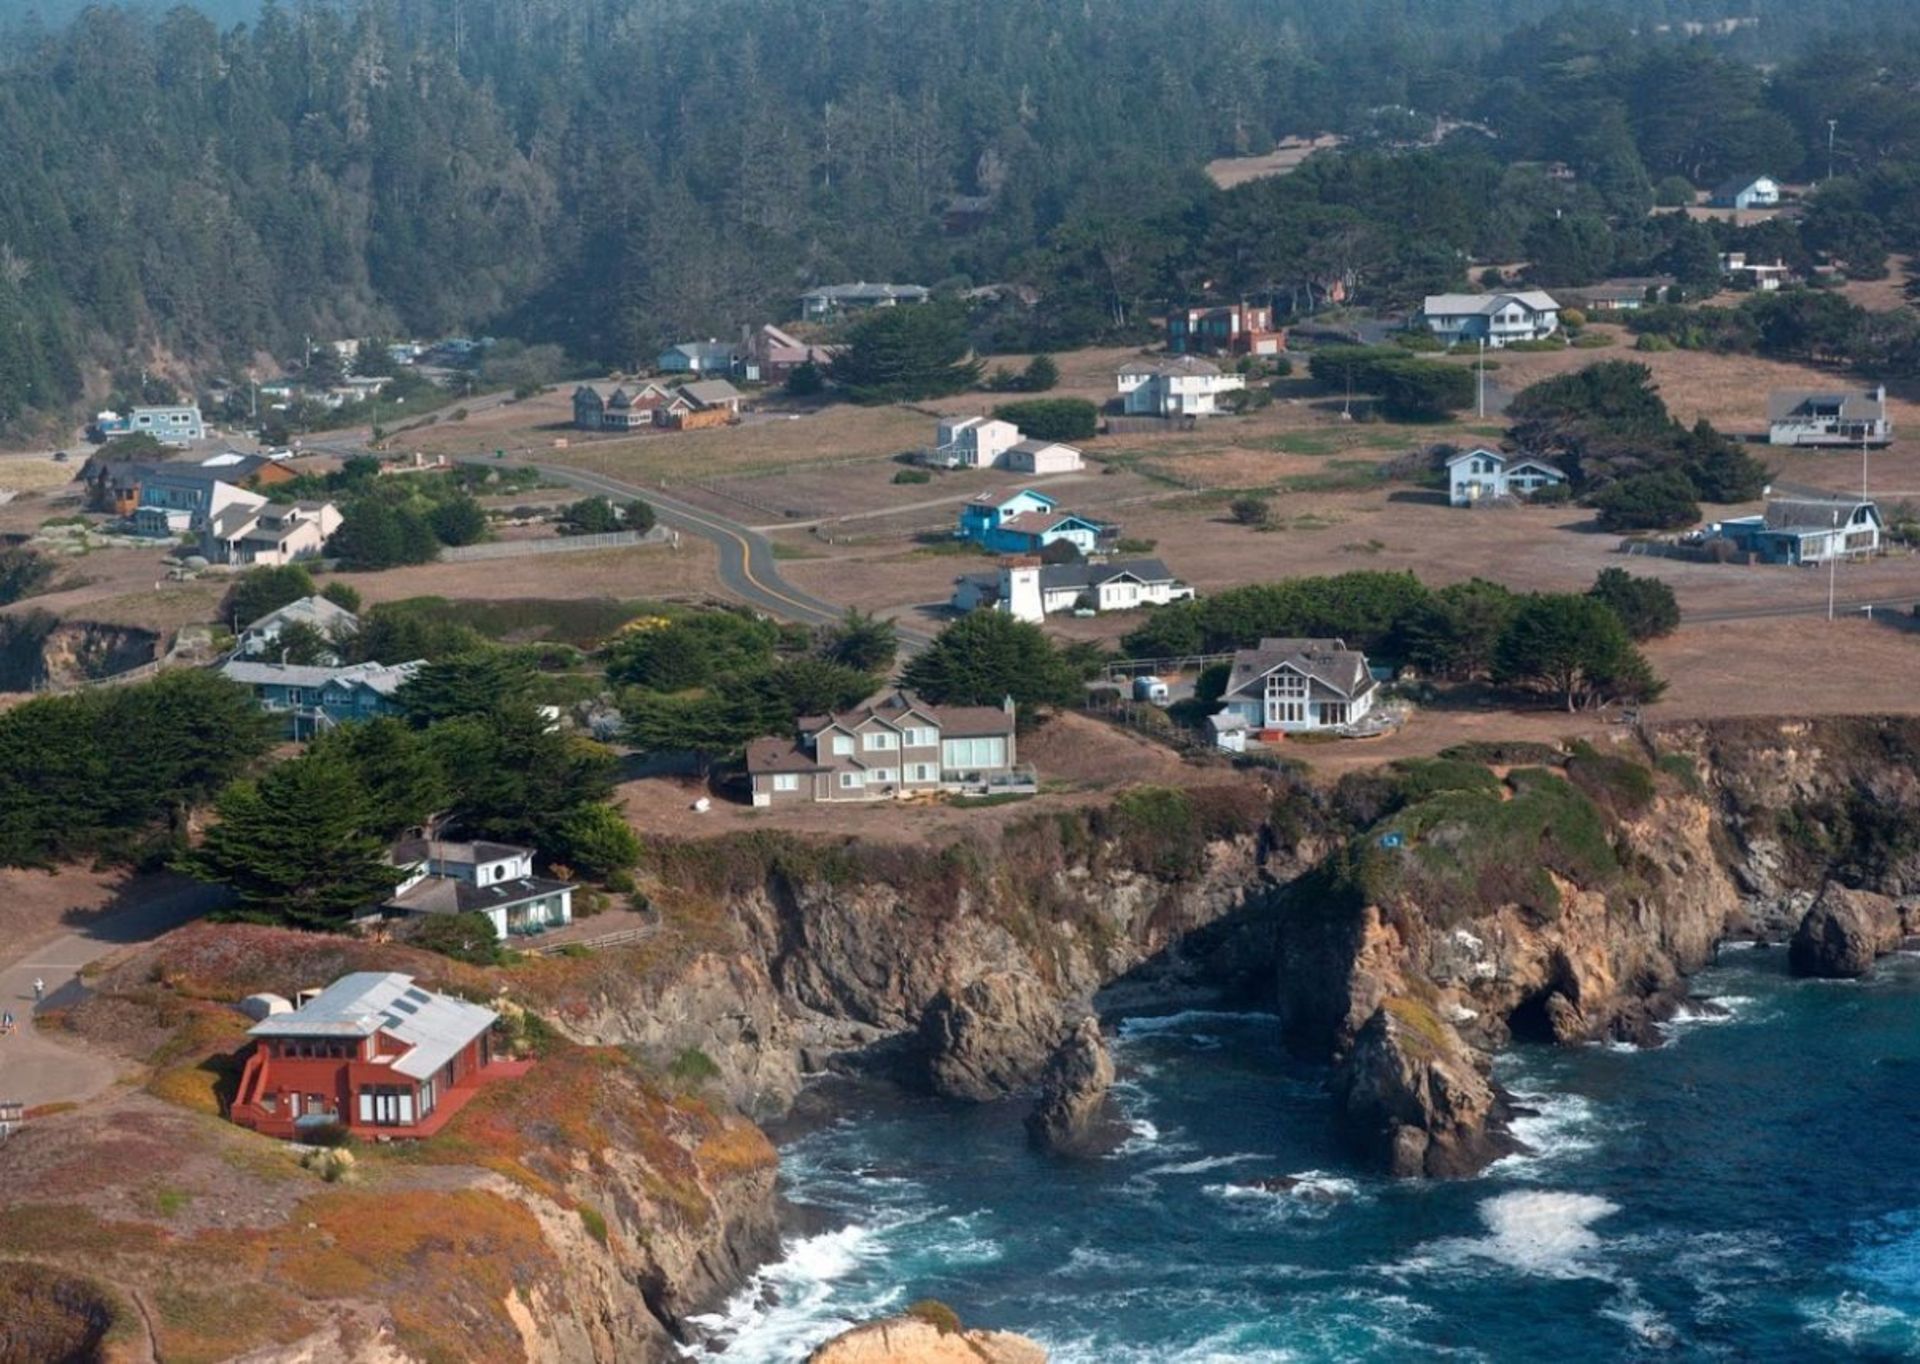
[
  {"x": 1074, "y": 1115},
  {"x": 1843, "y": 933},
  {"x": 1415, "y": 1100},
  {"x": 990, "y": 1037},
  {"x": 909, "y": 1340}
]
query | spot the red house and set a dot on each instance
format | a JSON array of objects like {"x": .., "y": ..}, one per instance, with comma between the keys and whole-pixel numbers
[
  {"x": 373, "y": 1053},
  {"x": 1236, "y": 329}
]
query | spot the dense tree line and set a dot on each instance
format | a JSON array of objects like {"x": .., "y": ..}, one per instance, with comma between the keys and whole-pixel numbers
[{"x": 608, "y": 174}]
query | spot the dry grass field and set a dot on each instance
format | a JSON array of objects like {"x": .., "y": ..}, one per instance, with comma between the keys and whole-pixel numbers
[
  {"x": 1230, "y": 171},
  {"x": 654, "y": 572}
]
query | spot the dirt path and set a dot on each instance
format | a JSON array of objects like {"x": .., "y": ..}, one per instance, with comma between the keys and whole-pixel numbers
[{"x": 35, "y": 1067}]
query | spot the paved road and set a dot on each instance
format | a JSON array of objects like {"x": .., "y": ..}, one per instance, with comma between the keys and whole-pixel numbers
[
  {"x": 1877, "y": 605},
  {"x": 747, "y": 566},
  {"x": 35, "y": 1067}
]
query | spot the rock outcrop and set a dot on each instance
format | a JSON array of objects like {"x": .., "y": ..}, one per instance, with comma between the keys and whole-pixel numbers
[
  {"x": 1843, "y": 933},
  {"x": 1415, "y": 1098},
  {"x": 1074, "y": 1115},
  {"x": 990, "y": 1037},
  {"x": 914, "y": 1339}
]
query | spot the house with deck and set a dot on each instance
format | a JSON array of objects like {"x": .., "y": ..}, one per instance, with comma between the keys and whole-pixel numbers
[
  {"x": 1027, "y": 522},
  {"x": 1029, "y": 590},
  {"x": 1496, "y": 319},
  {"x": 1806, "y": 529},
  {"x": 1174, "y": 386},
  {"x": 1481, "y": 476},
  {"x": 1746, "y": 191},
  {"x": 185, "y": 499},
  {"x": 889, "y": 749},
  {"x": 177, "y": 424},
  {"x": 446, "y": 876},
  {"x": 770, "y": 355},
  {"x": 1763, "y": 276},
  {"x": 1232, "y": 329},
  {"x": 1294, "y": 686},
  {"x": 373, "y": 1053},
  {"x": 313, "y": 699},
  {"x": 831, "y": 301},
  {"x": 1829, "y": 417}
]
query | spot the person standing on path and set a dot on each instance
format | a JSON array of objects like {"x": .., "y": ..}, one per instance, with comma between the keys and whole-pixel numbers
[{"x": 39, "y": 990}]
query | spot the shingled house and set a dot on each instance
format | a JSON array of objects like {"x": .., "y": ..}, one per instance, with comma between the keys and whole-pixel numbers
[
  {"x": 894, "y": 747},
  {"x": 1843, "y": 417},
  {"x": 1294, "y": 686}
]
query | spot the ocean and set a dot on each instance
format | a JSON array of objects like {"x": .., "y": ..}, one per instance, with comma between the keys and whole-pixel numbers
[{"x": 1749, "y": 1191}]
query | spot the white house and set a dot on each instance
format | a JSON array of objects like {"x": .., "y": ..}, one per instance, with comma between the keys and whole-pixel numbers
[
  {"x": 268, "y": 533},
  {"x": 1294, "y": 686},
  {"x": 173, "y": 425},
  {"x": 1497, "y": 319},
  {"x": 1766, "y": 276},
  {"x": 1174, "y": 386},
  {"x": 261, "y": 638},
  {"x": 972, "y": 442},
  {"x": 494, "y": 879},
  {"x": 1746, "y": 191},
  {"x": 832, "y": 300},
  {"x": 1031, "y": 591},
  {"x": 1482, "y": 475},
  {"x": 186, "y": 500},
  {"x": 1044, "y": 457},
  {"x": 1832, "y": 417}
]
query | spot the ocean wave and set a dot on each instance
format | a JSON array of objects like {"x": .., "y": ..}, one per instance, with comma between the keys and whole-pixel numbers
[
  {"x": 1547, "y": 1234},
  {"x": 1559, "y": 1125},
  {"x": 797, "y": 1301},
  {"x": 1856, "y": 1322},
  {"x": 1204, "y": 1164},
  {"x": 1313, "y": 1193},
  {"x": 1642, "y": 1320},
  {"x": 1186, "y": 1021},
  {"x": 1721, "y": 1009}
]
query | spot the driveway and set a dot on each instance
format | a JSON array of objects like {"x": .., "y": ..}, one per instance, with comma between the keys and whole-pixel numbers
[{"x": 38, "y": 1067}]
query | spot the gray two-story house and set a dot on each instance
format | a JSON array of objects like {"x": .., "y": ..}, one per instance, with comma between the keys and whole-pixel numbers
[{"x": 894, "y": 747}]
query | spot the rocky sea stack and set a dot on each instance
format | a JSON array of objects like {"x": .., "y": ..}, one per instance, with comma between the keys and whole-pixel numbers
[{"x": 1074, "y": 1115}]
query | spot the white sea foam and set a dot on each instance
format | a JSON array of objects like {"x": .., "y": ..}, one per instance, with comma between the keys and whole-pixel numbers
[
  {"x": 1853, "y": 1320},
  {"x": 1205, "y": 1163},
  {"x": 1724, "y": 1009},
  {"x": 1186, "y": 1021},
  {"x": 796, "y": 1302},
  {"x": 1538, "y": 1232},
  {"x": 1560, "y": 1125},
  {"x": 1642, "y": 1320}
]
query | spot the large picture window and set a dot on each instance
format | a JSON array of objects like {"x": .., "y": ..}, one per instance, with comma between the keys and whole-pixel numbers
[{"x": 959, "y": 755}]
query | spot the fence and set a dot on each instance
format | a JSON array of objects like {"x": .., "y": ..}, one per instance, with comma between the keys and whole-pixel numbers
[
  {"x": 1148, "y": 426},
  {"x": 1123, "y": 668},
  {"x": 618, "y": 938},
  {"x": 13, "y": 1116},
  {"x": 565, "y": 544}
]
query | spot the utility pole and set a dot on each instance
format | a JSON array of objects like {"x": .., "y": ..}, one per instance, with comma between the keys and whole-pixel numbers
[
  {"x": 1833, "y": 558},
  {"x": 1480, "y": 382},
  {"x": 1832, "y": 123}
]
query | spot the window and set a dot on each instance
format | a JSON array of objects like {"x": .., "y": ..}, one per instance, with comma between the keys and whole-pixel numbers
[
  {"x": 880, "y": 740},
  {"x": 1286, "y": 683},
  {"x": 923, "y": 772},
  {"x": 786, "y": 781},
  {"x": 386, "y": 1106},
  {"x": 843, "y": 745},
  {"x": 968, "y": 754},
  {"x": 883, "y": 776},
  {"x": 850, "y": 781},
  {"x": 921, "y": 737}
]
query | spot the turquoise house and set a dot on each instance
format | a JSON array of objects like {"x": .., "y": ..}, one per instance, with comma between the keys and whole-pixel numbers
[{"x": 1026, "y": 523}]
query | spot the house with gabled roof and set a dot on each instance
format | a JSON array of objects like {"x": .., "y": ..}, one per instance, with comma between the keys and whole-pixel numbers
[
  {"x": 834, "y": 300},
  {"x": 261, "y": 638},
  {"x": 1497, "y": 319},
  {"x": 1174, "y": 386},
  {"x": 698, "y": 357},
  {"x": 374, "y": 1054},
  {"x": 314, "y": 699},
  {"x": 1030, "y": 590},
  {"x": 1746, "y": 191},
  {"x": 1832, "y": 417},
  {"x": 891, "y": 748},
  {"x": 448, "y": 876},
  {"x": 1807, "y": 528},
  {"x": 1294, "y": 686},
  {"x": 1026, "y": 522},
  {"x": 1480, "y": 476}
]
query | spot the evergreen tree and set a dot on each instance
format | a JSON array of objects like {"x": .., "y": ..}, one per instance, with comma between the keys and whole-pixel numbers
[
  {"x": 863, "y": 642},
  {"x": 458, "y": 521},
  {"x": 1572, "y": 647},
  {"x": 260, "y": 591},
  {"x": 907, "y": 354},
  {"x": 987, "y": 656},
  {"x": 479, "y": 683},
  {"x": 1646, "y": 606},
  {"x": 294, "y": 847}
]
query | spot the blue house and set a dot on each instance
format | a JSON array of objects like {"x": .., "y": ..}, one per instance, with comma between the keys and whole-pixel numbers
[
  {"x": 1746, "y": 191},
  {"x": 314, "y": 699},
  {"x": 1807, "y": 530},
  {"x": 1026, "y": 523}
]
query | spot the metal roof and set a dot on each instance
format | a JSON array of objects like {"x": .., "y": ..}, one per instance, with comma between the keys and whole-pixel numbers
[
  {"x": 433, "y": 1027},
  {"x": 1327, "y": 661},
  {"x": 1466, "y": 305}
]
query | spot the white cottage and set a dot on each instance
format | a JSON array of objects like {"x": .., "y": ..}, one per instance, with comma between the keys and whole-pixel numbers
[
  {"x": 1481, "y": 475},
  {"x": 1294, "y": 686}
]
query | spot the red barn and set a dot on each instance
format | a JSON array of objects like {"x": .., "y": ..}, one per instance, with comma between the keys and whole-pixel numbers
[{"x": 373, "y": 1053}]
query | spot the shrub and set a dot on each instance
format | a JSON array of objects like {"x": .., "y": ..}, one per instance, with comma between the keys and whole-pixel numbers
[
  {"x": 805, "y": 380},
  {"x": 1251, "y": 511},
  {"x": 693, "y": 1067},
  {"x": 342, "y": 595},
  {"x": 1656, "y": 501},
  {"x": 595, "y": 1223},
  {"x": 1592, "y": 341},
  {"x": 1646, "y": 606},
  {"x": 938, "y": 1315},
  {"x": 467, "y": 937},
  {"x": 912, "y": 476},
  {"x": 1573, "y": 318}
]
